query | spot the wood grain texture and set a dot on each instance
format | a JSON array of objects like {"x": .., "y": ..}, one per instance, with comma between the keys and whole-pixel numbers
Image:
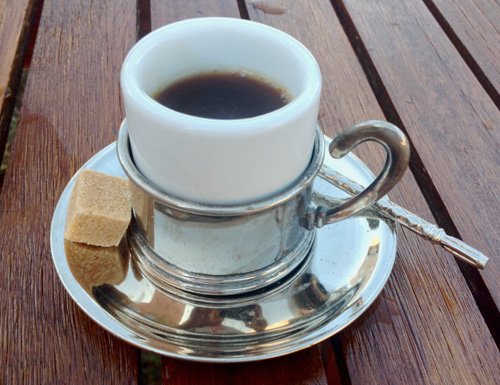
[
  {"x": 451, "y": 121},
  {"x": 473, "y": 26},
  {"x": 163, "y": 12},
  {"x": 425, "y": 327},
  {"x": 305, "y": 367},
  {"x": 12, "y": 17},
  {"x": 70, "y": 111}
]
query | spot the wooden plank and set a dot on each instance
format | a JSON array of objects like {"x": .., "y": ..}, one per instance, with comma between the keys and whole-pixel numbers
[
  {"x": 304, "y": 367},
  {"x": 70, "y": 111},
  {"x": 12, "y": 39},
  {"x": 275, "y": 371},
  {"x": 472, "y": 25},
  {"x": 11, "y": 27},
  {"x": 167, "y": 12},
  {"x": 452, "y": 122},
  {"x": 425, "y": 327}
]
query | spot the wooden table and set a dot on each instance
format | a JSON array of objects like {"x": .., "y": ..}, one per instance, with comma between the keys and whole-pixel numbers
[{"x": 432, "y": 67}]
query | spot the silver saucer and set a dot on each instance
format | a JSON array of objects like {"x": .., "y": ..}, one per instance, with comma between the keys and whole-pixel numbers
[{"x": 343, "y": 274}]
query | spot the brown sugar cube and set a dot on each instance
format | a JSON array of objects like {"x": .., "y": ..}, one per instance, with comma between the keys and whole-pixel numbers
[
  {"x": 94, "y": 266},
  {"x": 99, "y": 209}
]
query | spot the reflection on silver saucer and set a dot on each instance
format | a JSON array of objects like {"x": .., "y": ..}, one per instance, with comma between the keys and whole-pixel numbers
[{"x": 342, "y": 275}]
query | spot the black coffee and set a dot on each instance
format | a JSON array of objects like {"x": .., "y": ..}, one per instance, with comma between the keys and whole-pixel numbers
[{"x": 223, "y": 96}]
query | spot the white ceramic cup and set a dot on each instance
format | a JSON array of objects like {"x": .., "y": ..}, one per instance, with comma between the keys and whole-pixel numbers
[{"x": 220, "y": 161}]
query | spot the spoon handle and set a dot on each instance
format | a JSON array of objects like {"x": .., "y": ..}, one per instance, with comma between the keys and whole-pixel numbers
[{"x": 427, "y": 230}]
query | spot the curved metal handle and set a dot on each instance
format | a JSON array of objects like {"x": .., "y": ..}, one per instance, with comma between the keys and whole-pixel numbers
[{"x": 398, "y": 155}]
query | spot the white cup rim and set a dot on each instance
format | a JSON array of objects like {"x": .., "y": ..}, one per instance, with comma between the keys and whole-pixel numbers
[{"x": 225, "y": 127}]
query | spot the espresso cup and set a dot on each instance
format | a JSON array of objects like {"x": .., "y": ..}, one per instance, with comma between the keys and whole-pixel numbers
[
  {"x": 223, "y": 207},
  {"x": 213, "y": 160}
]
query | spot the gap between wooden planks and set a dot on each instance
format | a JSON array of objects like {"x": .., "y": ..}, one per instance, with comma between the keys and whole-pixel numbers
[
  {"x": 472, "y": 26},
  {"x": 15, "y": 30},
  {"x": 415, "y": 331},
  {"x": 451, "y": 120},
  {"x": 70, "y": 111}
]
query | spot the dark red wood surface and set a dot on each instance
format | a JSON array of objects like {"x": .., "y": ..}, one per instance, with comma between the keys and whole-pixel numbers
[
  {"x": 404, "y": 61},
  {"x": 450, "y": 119},
  {"x": 472, "y": 26},
  {"x": 394, "y": 342},
  {"x": 16, "y": 23},
  {"x": 70, "y": 111},
  {"x": 304, "y": 367}
]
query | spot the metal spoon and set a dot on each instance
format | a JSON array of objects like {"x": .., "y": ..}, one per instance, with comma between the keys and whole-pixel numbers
[{"x": 418, "y": 225}]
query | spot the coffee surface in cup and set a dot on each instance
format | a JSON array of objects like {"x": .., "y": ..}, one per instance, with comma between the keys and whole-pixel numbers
[{"x": 223, "y": 95}]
